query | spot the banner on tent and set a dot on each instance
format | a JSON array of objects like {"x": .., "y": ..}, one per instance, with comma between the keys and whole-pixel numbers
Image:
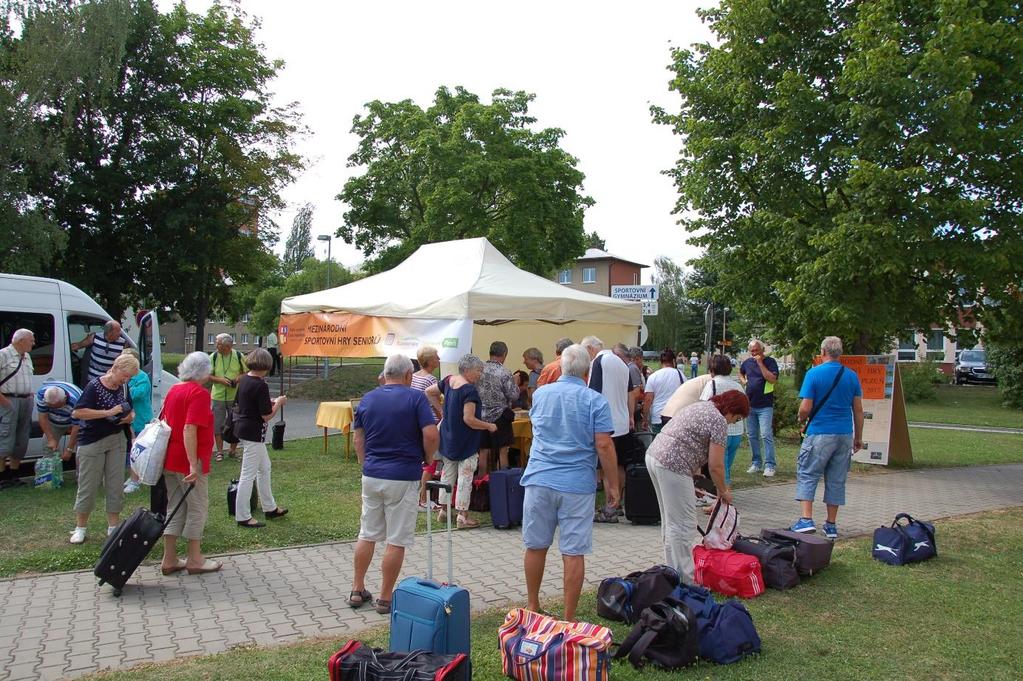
[{"x": 341, "y": 334}]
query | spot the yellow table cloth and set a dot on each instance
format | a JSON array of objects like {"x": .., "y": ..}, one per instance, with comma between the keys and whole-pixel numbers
[
  {"x": 522, "y": 438},
  {"x": 339, "y": 416}
]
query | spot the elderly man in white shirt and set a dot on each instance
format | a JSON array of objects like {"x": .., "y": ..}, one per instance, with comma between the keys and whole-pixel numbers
[{"x": 15, "y": 402}]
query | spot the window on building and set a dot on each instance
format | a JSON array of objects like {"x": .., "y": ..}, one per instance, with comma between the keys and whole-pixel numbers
[
  {"x": 635, "y": 278},
  {"x": 210, "y": 339},
  {"x": 936, "y": 345},
  {"x": 163, "y": 340},
  {"x": 245, "y": 339},
  {"x": 257, "y": 340},
  {"x": 907, "y": 347},
  {"x": 565, "y": 277},
  {"x": 589, "y": 275},
  {"x": 246, "y": 318},
  {"x": 43, "y": 328}
]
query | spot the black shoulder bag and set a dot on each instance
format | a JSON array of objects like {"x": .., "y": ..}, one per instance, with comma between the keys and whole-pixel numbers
[{"x": 817, "y": 405}]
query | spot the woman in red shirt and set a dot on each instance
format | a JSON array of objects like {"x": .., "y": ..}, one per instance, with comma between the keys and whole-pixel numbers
[{"x": 187, "y": 410}]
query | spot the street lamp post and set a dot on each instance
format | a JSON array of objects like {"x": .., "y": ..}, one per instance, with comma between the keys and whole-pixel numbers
[
  {"x": 724, "y": 326},
  {"x": 326, "y": 237}
]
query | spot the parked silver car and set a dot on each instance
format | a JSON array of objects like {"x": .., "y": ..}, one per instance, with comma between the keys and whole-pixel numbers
[{"x": 972, "y": 367}]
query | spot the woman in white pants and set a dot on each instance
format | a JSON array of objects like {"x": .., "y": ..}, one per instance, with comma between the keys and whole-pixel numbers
[
  {"x": 695, "y": 436},
  {"x": 253, "y": 408}
]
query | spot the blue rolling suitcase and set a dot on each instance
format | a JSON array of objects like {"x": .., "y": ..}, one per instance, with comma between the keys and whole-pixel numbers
[
  {"x": 428, "y": 615},
  {"x": 506, "y": 497}
]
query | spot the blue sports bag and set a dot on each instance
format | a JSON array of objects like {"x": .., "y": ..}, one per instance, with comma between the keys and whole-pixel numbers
[{"x": 908, "y": 543}]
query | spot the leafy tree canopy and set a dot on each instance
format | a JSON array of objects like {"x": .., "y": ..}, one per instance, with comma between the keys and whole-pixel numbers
[
  {"x": 458, "y": 169},
  {"x": 311, "y": 277},
  {"x": 853, "y": 168}
]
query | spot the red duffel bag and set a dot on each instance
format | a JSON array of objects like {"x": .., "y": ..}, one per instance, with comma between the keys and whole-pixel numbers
[{"x": 729, "y": 573}]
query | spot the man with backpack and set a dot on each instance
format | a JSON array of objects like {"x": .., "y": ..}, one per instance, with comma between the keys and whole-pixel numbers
[
  {"x": 228, "y": 365},
  {"x": 831, "y": 412}
]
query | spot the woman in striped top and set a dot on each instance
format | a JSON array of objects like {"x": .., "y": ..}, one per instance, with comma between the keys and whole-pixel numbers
[{"x": 429, "y": 361}]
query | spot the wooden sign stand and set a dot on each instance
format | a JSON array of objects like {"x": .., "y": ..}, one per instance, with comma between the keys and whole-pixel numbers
[{"x": 900, "y": 449}]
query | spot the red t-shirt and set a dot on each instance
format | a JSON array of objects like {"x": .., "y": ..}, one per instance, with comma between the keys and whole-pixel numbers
[{"x": 188, "y": 403}]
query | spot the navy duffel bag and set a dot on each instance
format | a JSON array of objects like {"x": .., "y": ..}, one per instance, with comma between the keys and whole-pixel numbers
[{"x": 901, "y": 544}]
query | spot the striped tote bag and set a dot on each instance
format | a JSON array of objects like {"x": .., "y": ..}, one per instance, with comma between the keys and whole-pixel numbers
[{"x": 535, "y": 647}]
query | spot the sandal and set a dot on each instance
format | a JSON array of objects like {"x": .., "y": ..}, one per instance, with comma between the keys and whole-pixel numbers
[
  {"x": 467, "y": 523},
  {"x": 382, "y": 607},
  {"x": 207, "y": 566},
  {"x": 166, "y": 572},
  {"x": 219, "y": 456},
  {"x": 357, "y": 599}
]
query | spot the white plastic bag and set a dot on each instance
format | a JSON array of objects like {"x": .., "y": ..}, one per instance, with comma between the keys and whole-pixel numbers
[
  {"x": 149, "y": 451},
  {"x": 723, "y": 528}
]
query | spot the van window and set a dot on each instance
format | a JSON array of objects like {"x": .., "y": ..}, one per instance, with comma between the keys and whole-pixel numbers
[
  {"x": 42, "y": 325},
  {"x": 78, "y": 327}
]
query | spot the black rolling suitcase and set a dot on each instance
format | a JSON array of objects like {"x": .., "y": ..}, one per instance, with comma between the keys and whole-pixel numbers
[
  {"x": 129, "y": 545},
  {"x": 232, "y": 495},
  {"x": 640, "y": 498}
]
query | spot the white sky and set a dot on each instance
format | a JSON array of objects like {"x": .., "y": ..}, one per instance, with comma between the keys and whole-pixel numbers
[{"x": 595, "y": 68}]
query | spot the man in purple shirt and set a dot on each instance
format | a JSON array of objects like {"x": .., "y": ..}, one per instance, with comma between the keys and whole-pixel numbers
[{"x": 759, "y": 374}]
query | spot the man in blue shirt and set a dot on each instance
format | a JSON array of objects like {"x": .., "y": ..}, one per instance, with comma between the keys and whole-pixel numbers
[
  {"x": 833, "y": 434},
  {"x": 759, "y": 374},
  {"x": 54, "y": 401},
  {"x": 395, "y": 434},
  {"x": 572, "y": 428}
]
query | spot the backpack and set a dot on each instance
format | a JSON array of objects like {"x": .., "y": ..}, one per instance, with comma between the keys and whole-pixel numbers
[
  {"x": 625, "y": 598},
  {"x": 901, "y": 544},
  {"x": 723, "y": 528},
  {"x": 726, "y": 631},
  {"x": 666, "y": 634},
  {"x": 237, "y": 354}
]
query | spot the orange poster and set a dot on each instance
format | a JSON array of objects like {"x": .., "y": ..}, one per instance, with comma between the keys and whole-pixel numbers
[{"x": 342, "y": 334}]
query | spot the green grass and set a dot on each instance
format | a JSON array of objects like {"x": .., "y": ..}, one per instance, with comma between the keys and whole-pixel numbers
[
  {"x": 34, "y": 524},
  {"x": 953, "y": 617},
  {"x": 346, "y": 382},
  {"x": 976, "y": 405}
]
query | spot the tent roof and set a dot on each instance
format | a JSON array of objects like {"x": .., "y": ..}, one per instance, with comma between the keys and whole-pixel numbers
[{"x": 466, "y": 279}]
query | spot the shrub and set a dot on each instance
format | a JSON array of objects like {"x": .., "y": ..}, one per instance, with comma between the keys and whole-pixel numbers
[
  {"x": 1007, "y": 360},
  {"x": 919, "y": 379},
  {"x": 786, "y": 407}
]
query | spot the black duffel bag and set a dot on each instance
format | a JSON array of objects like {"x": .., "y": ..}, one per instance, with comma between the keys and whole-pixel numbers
[
  {"x": 358, "y": 662},
  {"x": 777, "y": 561},
  {"x": 666, "y": 634}
]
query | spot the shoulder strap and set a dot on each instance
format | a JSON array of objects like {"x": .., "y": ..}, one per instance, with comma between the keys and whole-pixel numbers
[
  {"x": 817, "y": 406},
  {"x": 680, "y": 378},
  {"x": 713, "y": 388},
  {"x": 241, "y": 362},
  {"x": 21, "y": 360}
]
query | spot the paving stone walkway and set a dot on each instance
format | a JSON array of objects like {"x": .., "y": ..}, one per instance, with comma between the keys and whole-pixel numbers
[{"x": 63, "y": 626}]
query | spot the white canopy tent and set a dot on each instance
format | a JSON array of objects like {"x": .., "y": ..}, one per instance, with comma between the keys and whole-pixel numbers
[{"x": 470, "y": 280}]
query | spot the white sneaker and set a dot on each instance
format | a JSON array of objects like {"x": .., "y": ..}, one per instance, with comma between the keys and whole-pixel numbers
[
  {"x": 769, "y": 472},
  {"x": 428, "y": 505},
  {"x": 131, "y": 486},
  {"x": 78, "y": 536},
  {"x": 753, "y": 469}
]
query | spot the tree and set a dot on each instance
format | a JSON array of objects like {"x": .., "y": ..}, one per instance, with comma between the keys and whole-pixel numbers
[
  {"x": 853, "y": 168},
  {"x": 461, "y": 169},
  {"x": 593, "y": 240},
  {"x": 312, "y": 276},
  {"x": 299, "y": 246},
  {"x": 231, "y": 156}
]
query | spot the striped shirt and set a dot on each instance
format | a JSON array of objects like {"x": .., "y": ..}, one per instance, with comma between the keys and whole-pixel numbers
[
  {"x": 59, "y": 416},
  {"x": 103, "y": 354},
  {"x": 421, "y": 382}
]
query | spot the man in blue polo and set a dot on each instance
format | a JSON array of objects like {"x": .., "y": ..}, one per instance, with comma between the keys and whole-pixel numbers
[
  {"x": 54, "y": 401},
  {"x": 572, "y": 428},
  {"x": 834, "y": 433}
]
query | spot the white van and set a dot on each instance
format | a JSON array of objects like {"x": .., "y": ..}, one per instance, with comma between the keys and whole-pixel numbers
[{"x": 60, "y": 314}]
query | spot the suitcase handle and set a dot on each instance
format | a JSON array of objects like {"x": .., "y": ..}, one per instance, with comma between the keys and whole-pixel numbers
[
  {"x": 184, "y": 496},
  {"x": 436, "y": 484}
]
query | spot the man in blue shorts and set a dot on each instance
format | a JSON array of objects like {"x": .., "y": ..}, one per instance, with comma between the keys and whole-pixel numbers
[
  {"x": 572, "y": 428},
  {"x": 833, "y": 434}
]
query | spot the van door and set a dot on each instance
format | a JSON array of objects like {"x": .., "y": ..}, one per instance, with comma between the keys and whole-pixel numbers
[{"x": 148, "y": 343}]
